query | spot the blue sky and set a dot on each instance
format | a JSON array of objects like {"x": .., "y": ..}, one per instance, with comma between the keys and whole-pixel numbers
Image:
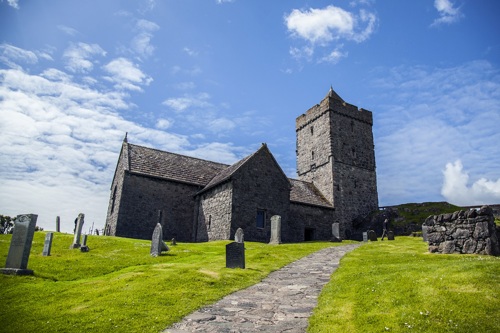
[{"x": 214, "y": 79}]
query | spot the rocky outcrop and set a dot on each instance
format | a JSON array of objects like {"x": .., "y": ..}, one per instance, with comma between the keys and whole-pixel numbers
[{"x": 472, "y": 232}]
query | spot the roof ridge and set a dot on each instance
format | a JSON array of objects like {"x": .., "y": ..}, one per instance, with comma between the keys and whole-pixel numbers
[{"x": 178, "y": 154}]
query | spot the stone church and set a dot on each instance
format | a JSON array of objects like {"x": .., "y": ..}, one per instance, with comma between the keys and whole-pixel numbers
[{"x": 197, "y": 200}]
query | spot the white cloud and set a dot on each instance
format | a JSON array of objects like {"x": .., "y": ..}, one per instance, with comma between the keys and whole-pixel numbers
[
  {"x": 187, "y": 101},
  {"x": 456, "y": 187},
  {"x": 335, "y": 56},
  {"x": 223, "y": 1},
  {"x": 141, "y": 43},
  {"x": 79, "y": 57},
  {"x": 68, "y": 30},
  {"x": 190, "y": 52},
  {"x": 163, "y": 124},
  {"x": 13, "y": 3},
  {"x": 12, "y": 56},
  {"x": 126, "y": 75},
  {"x": 431, "y": 116},
  {"x": 448, "y": 13},
  {"x": 323, "y": 27},
  {"x": 221, "y": 125}
]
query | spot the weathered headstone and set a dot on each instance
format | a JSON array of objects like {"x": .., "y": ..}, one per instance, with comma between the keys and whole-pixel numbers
[
  {"x": 372, "y": 236},
  {"x": 47, "y": 244},
  {"x": 84, "y": 247},
  {"x": 157, "y": 243},
  {"x": 365, "y": 237},
  {"x": 78, "y": 232},
  {"x": 239, "y": 236},
  {"x": 275, "y": 230},
  {"x": 58, "y": 224},
  {"x": 235, "y": 255},
  {"x": 173, "y": 242},
  {"x": 336, "y": 232},
  {"x": 390, "y": 235},
  {"x": 424, "y": 232},
  {"x": 20, "y": 245}
]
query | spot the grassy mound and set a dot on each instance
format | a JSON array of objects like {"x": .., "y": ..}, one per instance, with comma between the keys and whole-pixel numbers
[
  {"x": 398, "y": 286},
  {"x": 119, "y": 287}
]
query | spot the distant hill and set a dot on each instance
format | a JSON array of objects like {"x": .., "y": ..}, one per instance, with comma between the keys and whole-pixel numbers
[{"x": 407, "y": 218}]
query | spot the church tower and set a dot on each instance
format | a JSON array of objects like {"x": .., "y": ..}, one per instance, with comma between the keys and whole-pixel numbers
[{"x": 335, "y": 152}]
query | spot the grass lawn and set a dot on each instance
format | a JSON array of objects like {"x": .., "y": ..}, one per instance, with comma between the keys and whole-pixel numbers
[
  {"x": 398, "y": 287},
  {"x": 119, "y": 287}
]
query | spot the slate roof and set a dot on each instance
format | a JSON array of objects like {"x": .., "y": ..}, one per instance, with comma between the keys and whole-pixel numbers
[
  {"x": 181, "y": 168},
  {"x": 307, "y": 193},
  {"x": 161, "y": 164}
]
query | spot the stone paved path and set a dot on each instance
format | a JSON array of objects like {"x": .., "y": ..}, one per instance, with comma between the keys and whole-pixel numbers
[{"x": 282, "y": 302}]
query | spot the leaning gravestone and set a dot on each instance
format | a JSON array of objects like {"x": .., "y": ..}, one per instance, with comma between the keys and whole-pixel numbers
[
  {"x": 47, "y": 244},
  {"x": 390, "y": 235},
  {"x": 239, "y": 236},
  {"x": 157, "y": 243},
  {"x": 78, "y": 232},
  {"x": 275, "y": 230},
  {"x": 235, "y": 255},
  {"x": 365, "y": 237},
  {"x": 58, "y": 224},
  {"x": 372, "y": 236},
  {"x": 20, "y": 245},
  {"x": 84, "y": 247},
  {"x": 336, "y": 232}
]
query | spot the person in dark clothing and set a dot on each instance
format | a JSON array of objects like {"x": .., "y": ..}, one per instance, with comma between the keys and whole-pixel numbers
[{"x": 384, "y": 232}]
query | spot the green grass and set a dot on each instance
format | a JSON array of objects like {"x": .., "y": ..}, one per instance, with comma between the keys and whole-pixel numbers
[
  {"x": 399, "y": 287},
  {"x": 119, "y": 287}
]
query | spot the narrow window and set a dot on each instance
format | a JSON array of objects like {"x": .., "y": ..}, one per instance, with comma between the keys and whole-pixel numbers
[
  {"x": 261, "y": 219},
  {"x": 353, "y": 152},
  {"x": 209, "y": 224},
  {"x": 113, "y": 200},
  {"x": 312, "y": 155},
  {"x": 312, "y": 130}
]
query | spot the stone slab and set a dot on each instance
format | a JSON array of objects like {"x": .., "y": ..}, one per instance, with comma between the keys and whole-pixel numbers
[
  {"x": 235, "y": 255},
  {"x": 20, "y": 244}
]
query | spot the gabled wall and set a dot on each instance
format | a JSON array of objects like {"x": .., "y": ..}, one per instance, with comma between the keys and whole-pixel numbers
[
  {"x": 260, "y": 184},
  {"x": 214, "y": 213},
  {"x": 141, "y": 199}
]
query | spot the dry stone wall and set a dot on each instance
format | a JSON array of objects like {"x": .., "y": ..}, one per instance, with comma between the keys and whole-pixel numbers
[{"x": 472, "y": 232}]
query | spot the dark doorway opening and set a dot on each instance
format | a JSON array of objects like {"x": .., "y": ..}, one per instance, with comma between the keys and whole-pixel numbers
[{"x": 308, "y": 234}]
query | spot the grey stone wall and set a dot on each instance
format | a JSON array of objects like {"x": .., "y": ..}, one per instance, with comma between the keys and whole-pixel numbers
[
  {"x": 141, "y": 199},
  {"x": 463, "y": 232},
  {"x": 215, "y": 211},
  {"x": 317, "y": 219},
  {"x": 116, "y": 193},
  {"x": 259, "y": 185},
  {"x": 335, "y": 151}
]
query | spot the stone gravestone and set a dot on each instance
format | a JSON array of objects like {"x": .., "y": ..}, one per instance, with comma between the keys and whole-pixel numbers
[
  {"x": 275, "y": 230},
  {"x": 336, "y": 232},
  {"x": 78, "y": 232},
  {"x": 424, "y": 232},
  {"x": 372, "y": 236},
  {"x": 84, "y": 247},
  {"x": 235, "y": 255},
  {"x": 157, "y": 243},
  {"x": 390, "y": 235},
  {"x": 20, "y": 245},
  {"x": 239, "y": 236},
  {"x": 58, "y": 224},
  {"x": 47, "y": 244},
  {"x": 365, "y": 237},
  {"x": 173, "y": 242}
]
